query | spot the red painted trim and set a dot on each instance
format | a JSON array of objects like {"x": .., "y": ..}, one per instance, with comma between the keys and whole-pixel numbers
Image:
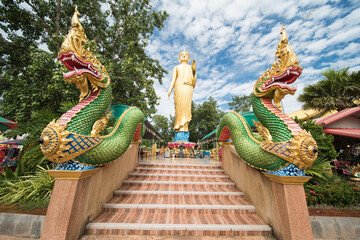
[
  {"x": 336, "y": 116},
  {"x": 347, "y": 132},
  {"x": 9, "y": 121},
  {"x": 291, "y": 124},
  {"x": 225, "y": 134},
  {"x": 10, "y": 125},
  {"x": 66, "y": 117},
  {"x": 137, "y": 134}
]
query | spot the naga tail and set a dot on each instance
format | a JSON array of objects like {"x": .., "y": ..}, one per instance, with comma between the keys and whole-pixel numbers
[
  {"x": 127, "y": 128},
  {"x": 235, "y": 127}
]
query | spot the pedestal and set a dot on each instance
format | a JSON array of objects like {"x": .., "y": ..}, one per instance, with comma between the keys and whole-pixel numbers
[
  {"x": 78, "y": 196},
  {"x": 181, "y": 137},
  {"x": 67, "y": 204},
  {"x": 291, "y": 211}
]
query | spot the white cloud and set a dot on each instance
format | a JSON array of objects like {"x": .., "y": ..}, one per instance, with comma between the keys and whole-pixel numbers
[
  {"x": 234, "y": 42},
  {"x": 325, "y": 12}
]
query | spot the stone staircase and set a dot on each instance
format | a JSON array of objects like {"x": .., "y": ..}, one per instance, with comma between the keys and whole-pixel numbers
[{"x": 178, "y": 200}]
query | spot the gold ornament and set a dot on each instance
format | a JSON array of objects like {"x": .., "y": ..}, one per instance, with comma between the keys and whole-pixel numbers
[
  {"x": 60, "y": 145},
  {"x": 304, "y": 150},
  {"x": 73, "y": 49},
  {"x": 54, "y": 137},
  {"x": 263, "y": 131},
  {"x": 100, "y": 125},
  {"x": 300, "y": 150},
  {"x": 285, "y": 58}
]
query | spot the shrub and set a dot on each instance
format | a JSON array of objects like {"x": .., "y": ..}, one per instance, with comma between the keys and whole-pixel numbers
[
  {"x": 326, "y": 150},
  {"x": 32, "y": 191},
  {"x": 319, "y": 170},
  {"x": 324, "y": 141},
  {"x": 338, "y": 194}
]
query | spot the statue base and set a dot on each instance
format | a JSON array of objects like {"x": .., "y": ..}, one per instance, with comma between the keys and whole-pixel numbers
[
  {"x": 181, "y": 149},
  {"x": 182, "y": 137},
  {"x": 177, "y": 145}
]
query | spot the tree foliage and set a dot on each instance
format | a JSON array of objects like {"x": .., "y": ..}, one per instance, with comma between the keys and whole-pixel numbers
[
  {"x": 31, "y": 78},
  {"x": 162, "y": 124},
  {"x": 205, "y": 119},
  {"x": 326, "y": 150},
  {"x": 337, "y": 91},
  {"x": 324, "y": 141},
  {"x": 31, "y": 157},
  {"x": 240, "y": 104}
]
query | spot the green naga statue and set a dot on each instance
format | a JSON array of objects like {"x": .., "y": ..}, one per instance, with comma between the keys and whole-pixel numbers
[
  {"x": 78, "y": 139},
  {"x": 285, "y": 149}
]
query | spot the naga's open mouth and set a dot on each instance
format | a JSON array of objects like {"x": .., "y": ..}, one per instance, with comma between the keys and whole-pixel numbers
[
  {"x": 76, "y": 66},
  {"x": 284, "y": 80}
]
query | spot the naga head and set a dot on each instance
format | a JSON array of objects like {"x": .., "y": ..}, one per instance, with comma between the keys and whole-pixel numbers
[
  {"x": 84, "y": 68},
  {"x": 275, "y": 82}
]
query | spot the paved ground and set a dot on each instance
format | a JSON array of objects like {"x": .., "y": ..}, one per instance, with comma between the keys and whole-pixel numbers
[{"x": 14, "y": 238}]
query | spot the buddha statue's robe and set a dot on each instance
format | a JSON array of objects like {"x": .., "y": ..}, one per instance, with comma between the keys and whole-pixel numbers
[{"x": 183, "y": 91}]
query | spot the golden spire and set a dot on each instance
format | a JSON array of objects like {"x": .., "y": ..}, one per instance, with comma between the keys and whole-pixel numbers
[
  {"x": 75, "y": 18},
  {"x": 76, "y": 38},
  {"x": 285, "y": 56}
]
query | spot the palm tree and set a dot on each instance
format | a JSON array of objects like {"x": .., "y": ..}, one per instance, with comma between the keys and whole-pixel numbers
[{"x": 337, "y": 91}]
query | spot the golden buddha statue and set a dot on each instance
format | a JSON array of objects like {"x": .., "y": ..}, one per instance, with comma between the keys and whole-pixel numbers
[{"x": 183, "y": 82}]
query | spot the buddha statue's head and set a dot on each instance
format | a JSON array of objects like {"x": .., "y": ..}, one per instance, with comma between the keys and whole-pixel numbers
[{"x": 184, "y": 56}]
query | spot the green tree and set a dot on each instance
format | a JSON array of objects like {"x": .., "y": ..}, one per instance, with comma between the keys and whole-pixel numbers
[
  {"x": 240, "y": 104},
  {"x": 31, "y": 157},
  {"x": 171, "y": 125},
  {"x": 31, "y": 78},
  {"x": 205, "y": 119},
  {"x": 326, "y": 150},
  {"x": 162, "y": 124},
  {"x": 339, "y": 90},
  {"x": 324, "y": 141}
]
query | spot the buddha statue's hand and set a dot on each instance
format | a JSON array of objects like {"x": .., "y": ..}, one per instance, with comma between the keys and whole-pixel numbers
[
  {"x": 187, "y": 83},
  {"x": 193, "y": 67}
]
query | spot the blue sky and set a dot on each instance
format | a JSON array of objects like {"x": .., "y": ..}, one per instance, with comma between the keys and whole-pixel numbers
[{"x": 234, "y": 42}]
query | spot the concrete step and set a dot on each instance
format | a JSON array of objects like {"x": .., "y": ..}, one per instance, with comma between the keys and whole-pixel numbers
[
  {"x": 123, "y": 193},
  {"x": 178, "y": 200},
  {"x": 177, "y": 178},
  {"x": 166, "y": 237},
  {"x": 179, "y": 209},
  {"x": 144, "y": 182},
  {"x": 181, "y": 187},
  {"x": 179, "y": 165},
  {"x": 177, "y": 229},
  {"x": 180, "y": 169},
  {"x": 180, "y": 175}
]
